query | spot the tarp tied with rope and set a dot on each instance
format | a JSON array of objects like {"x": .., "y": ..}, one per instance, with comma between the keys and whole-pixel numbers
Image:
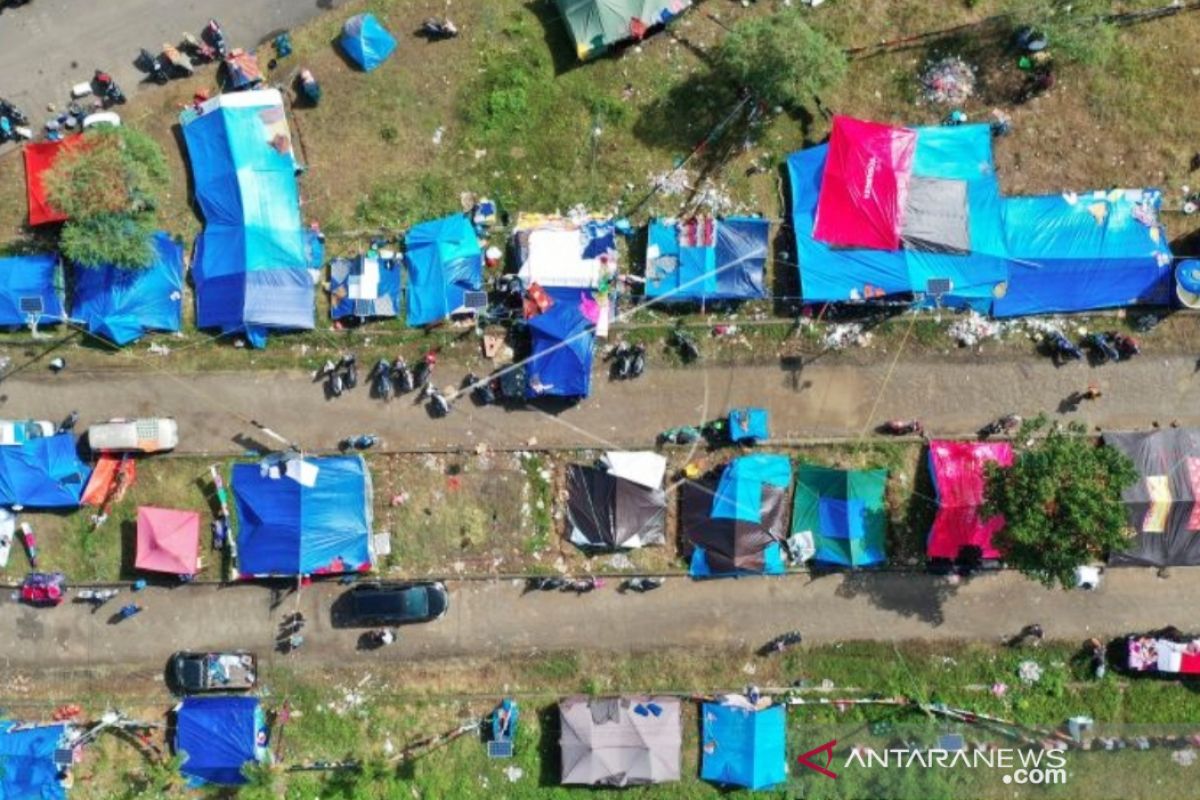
[
  {"x": 122, "y": 305},
  {"x": 608, "y": 512},
  {"x": 734, "y": 524},
  {"x": 596, "y": 25},
  {"x": 704, "y": 258}
]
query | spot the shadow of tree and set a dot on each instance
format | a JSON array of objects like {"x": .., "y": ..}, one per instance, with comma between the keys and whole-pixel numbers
[{"x": 904, "y": 594}]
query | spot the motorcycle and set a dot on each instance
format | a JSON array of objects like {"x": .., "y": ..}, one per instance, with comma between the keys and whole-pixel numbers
[
  {"x": 333, "y": 378},
  {"x": 583, "y": 585},
  {"x": 402, "y": 376},
  {"x": 424, "y": 371},
  {"x": 1101, "y": 348},
  {"x": 381, "y": 376},
  {"x": 107, "y": 90},
  {"x": 902, "y": 427},
  {"x": 781, "y": 643},
  {"x": 154, "y": 66},
  {"x": 1063, "y": 349},
  {"x": 483, "y": 393},
  {"x": 684, "y": 434},
  {"x": 688, "y": 350},
  {"x": 68, "y": 424},
  {"x": 1127, "y": 346},
  {"x": 96, "y": 597},
  {"x": 439, "y": 404},
  {"x": 215, "y": 36},
  {"x": 641, "y": 585},
  {"x": 545, "y": 584},
  {"x": 629, "y": 361},
  {"x": 13, "y": 123},
  {"x": 363, "y": 441},
  {"x": 436, "y": 29},
  {"x": 200, "y": 52},
  {"x": 177, "y": 64},
  {"x": 309, "y": 87},
  {"x": 1009, "y": 423},
  {"x": 348, "y": 365}
]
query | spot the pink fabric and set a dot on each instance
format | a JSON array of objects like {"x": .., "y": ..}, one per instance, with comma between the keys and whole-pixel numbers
[
  {"x": 959, "y": 477},
  {"x": 167, "y": 540},
  {"x": 1192, "y": 465},
  {"x": 865, "y": 185}
]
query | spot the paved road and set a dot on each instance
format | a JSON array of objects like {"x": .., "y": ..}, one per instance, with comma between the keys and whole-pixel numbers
[
  {"x": 48, "y": 46},
  {"x": 497, "y": 619},
  {"x": 823, "y": 399}
]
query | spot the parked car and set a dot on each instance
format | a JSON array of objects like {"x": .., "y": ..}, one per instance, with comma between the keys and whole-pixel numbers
[
  {"x": 19, "y": 431},
  {"x": 382, "y": 603},
  {"x": 143, "y": 435},
  {"x": 196, "y": 673}
]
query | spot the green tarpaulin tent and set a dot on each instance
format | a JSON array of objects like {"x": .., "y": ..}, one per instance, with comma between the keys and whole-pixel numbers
[
  {"x": 597, "y": 24},
  {"x": 843, "y": 513}
]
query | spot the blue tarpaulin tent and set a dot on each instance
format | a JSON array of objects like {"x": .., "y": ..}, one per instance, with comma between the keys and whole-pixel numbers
[
  {"x": 735, "y": 525},
  {"x": 444, "y": 262},
  {"x": 707, "y": 259},
  {"x": 27, "y": 768},
  {"x": 42, "y": 473},
  {"x": 743, "y": 746},
  {"x": 217, "y": 737},
  {"x": 1080, "y": 252},
  {"x": 366, "y": 42},
  {"x": 748, "y": 425},
  {"x": 303, "y": 516},
  {"x": 121, "y": 305},
  {"x": 250, "y": 263},
  {"x": 561, "y": 361},
  {"x": 739, "y": 493},
  {"x": 365, "y": 286},
  {"x": 27, "y": 290}
]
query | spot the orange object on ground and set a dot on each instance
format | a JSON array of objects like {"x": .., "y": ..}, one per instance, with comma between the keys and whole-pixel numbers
[{"x": 104, "y": 480}]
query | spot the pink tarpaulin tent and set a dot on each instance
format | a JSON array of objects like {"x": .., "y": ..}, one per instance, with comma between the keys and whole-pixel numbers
[
  {"x": 167, "y": 540},
  {"x": 959, "y": 478},
  {"x": 865, "y": 185}
]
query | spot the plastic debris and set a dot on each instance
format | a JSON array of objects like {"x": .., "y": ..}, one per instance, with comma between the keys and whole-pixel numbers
[
  {"x": 1184, "y": 758},
  {"x": 438, "y": 134},
  {"x": 844, "y": 335},
  {"x": 972, "y": 329},
  {"x": 948, "y": 81},
  {"x": 513, "y": 773},
  {"x": 1030, "y": 672}
]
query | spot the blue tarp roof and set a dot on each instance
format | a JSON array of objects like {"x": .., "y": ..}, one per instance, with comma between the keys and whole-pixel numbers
[
  {"x": 27, "y": 768},
  {"x": 42, "y": 473},
  {"x": 444, "y": 262},
  {"x": 748, "y": 424},
  {"x": 1026, "y": 255},
  {"x": 218, "y": 736},
  {"x": 365, "y": 286},
  {"x": 366, "y": 42},
  {"x": 286, "y": 528},
  {"x": 726, "y": 265},
  {"x": 739, "y": 493},
  {"x": 744, "y": 747},
  {"x": 561, "y": 362},
  {"x": 27, "y": 284},
  {"x": 121, "y": 305},
  {"x": 250, "y": 262},
  {"x": 1093, "y": 252}
]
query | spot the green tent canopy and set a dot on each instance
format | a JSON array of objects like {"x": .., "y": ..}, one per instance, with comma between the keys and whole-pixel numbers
[
  {"x": 597, "y": 24},
  {"x": 842, "y": 511}
]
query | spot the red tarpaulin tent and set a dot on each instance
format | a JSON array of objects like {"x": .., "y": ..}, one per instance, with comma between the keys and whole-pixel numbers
[
  {"x": 959, "y": 479},
  {"x": 39, "y": 157},
  {"x": 167, "y": 540},
  {"x": 865, "y": 185}
]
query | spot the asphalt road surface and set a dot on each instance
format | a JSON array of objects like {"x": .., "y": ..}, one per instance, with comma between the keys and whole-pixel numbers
[
  {"x": 498, "y": 619},
  {"x": 824, "y": 399},
  {"x": 47, "y": 46}
]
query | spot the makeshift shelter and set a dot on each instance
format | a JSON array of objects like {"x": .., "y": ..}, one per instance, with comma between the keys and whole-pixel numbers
[
  {"x": 28, "y": 767},
  {"x": 748, "y": 425},
  {"x": 840, "y": 515},
  {"x": 303, "y": 516},
  {"x": 707, "y": 259},
  {"x": 1079, "y": 252},
  {"x": 607, "y": 512},
  {"x": 29, "y": 290},
  {"x": 1164, "y": 503},
  {"x": 643, "y": 467},
  {"x": 42, "y": 473},
  {"x": 882, "y": 211},
  {"x": 735, "y": 525},
  {"x": 251, "y": 263},
  {"x": 560, "y": 363},
  {"x": 168, "y": 540},
  {"x": 554, "y": 251},
  {"x": 444, "y": 262},
  {"x": 218, "y": 736},
  {"x": 122, "y": 305},
  {"x": 620, "y": 741},
  {"x": 596, "y": 25},
  {"x": 743, "y": 745},
  {"x": 366, "y": 42},
  {"x": 959, "y": 471},
  {"x": 365, "y": 286},
  {"x": 39, "y": 159}
]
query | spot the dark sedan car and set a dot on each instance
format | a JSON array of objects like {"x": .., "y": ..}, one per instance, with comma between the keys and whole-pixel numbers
[
  {"x": 381, "y": 604},
  {"x": 193, "y": 673}
]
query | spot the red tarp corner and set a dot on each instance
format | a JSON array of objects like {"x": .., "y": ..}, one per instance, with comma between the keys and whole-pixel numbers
[
  {"x": 39, "y": 157},
  {"x": 865, "y": 185},
  {"x": 959, "y": 479}
]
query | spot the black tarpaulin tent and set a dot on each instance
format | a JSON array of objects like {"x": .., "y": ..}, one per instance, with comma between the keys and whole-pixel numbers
[
  {"x": 1163, "y": 506},
  {"x": 607, "y": 512},
  {"x": 732, "y": 546}
]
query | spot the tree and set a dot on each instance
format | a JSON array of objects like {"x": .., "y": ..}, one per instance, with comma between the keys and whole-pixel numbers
[
  {"x": 781, "y": 59},
  {"x": 1061, "y": 501},
  {"x": 1076, "y": 30},
  {"x": 108, "y": 187}
]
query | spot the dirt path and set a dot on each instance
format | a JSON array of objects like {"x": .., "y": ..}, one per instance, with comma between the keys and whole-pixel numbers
[
  {"x": 497, "y": 619},
  {"x": 824, "y": 399}
]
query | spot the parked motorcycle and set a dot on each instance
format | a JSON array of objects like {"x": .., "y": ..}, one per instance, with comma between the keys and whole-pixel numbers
[
  {"x": 1007, "y": 424},
  {"x": 177, "y": 64},
  {"x": 381, "y": 377},
  {"x": 68, "y": 423},
  {"x": 424, "y": 371},
  {"x": 684, "y": 434},
  {"x": 629, "y": 361},
  {"x": 198, "y": 50},
  {"x": 545, "y": 584},
  {"x": 641, "y": 585},
  {"x": 96, "y": 597},
  {"x": 333, "y": 378},
  {"x": 483, "y": 392},
  {"x": 154, "y": 66},
  {"x": 436, "y": 29},
  {"x": 439, "y": 404},
  {"x": 107, "y": 90},
  {"x": 348, "y": 366},
  {"x": 309, "y": 88},
  {"x": 363, "y": 441},
  {"x": 1062, "y": 349},
  {"x": 902, "y": 427},
  {"x": 583, "y": 585},
  {"x": 781, "y": 643},
  {"x": 1101, "y": 348},
  {"x": 215, "y": 36},
  {"x": 402, "y": 376},
  {"x": 689, "y": 351},
  {"x": 1126, "y": 345}
]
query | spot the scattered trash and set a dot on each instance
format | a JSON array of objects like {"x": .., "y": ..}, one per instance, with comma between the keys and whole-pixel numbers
[
  {"x": 620, "y": 561},
  {"x": 1030, "y": 672},
  {"x": 750, "y": 668},
  {"x": 438, "y": 134},
  {"x": 844, "y": 335},
  {"x": 513, "y": 773},
  {"x": 999, "y": 689},
  {"x": 949, "y": 81},
  {"x": 58, "y": 364},
  {"x": 1184, "y": 758},
  {"x": 972, "y": 329},
  {"x": 157, "y": 349},
  {"x": 673, "y": 182}
]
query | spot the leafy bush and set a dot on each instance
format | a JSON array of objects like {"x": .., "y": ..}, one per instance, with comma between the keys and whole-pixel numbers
[{"x": 781, "y": 59}]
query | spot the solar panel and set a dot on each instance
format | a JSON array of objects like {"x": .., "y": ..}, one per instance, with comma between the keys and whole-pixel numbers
[
  {"x": 502, "y": 749},
  {"x": 64, "y": 757},
  {"x": 31, "y": 305},
  {"x": 475, "y": 300},
  {"x": 938, "y": 286}
]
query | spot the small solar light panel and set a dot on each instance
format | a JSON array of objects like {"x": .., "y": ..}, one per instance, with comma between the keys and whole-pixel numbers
[
  {"x": 500, "y": 749},
  {"x": 364, "y": 308},
  {"x": 31, "y": 305},
  {"x": 64, "y": 757},
  {"x": 475, "y": 299},
  {"x": 951, "y": 742},
  {"x": 938, "y": 286}
]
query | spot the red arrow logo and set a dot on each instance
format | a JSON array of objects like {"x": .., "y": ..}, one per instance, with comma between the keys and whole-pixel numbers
[{"x": 827, "y": 749}]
